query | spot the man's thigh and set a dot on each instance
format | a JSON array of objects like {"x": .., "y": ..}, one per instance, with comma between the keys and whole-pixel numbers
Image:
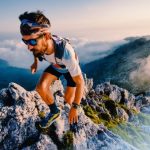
[
  {"x": 49, "y": 75},
  {"x": 46, "y": 80}
]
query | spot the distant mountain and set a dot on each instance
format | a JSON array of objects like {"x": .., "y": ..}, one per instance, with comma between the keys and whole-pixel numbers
[
  {"x": 118, "y": 66},
  {"x": 18, "y": 75}
]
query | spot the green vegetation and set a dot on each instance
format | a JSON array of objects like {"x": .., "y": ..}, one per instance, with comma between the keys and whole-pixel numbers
[
  {"x": 107, "y": 117},
  {"x": 68, "y": 140},
  {"x": 92, "y": 114},
  {"x": 42, "y": 114},
  {"x": 98, "y": 118},
  {"x": 144, "y": 118},
  {"x": 129, "y": 132},
  {"x": 132, "y": 134},
  {"x": 135, "y": 112},
  {"x": 106, "y": 97}
]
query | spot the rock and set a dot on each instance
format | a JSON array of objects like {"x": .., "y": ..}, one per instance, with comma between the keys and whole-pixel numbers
[
  {"x": 100, "y": 109},
  {"x": 111, "y": 107},
  {"x": 43, "y": 140},
  {"x": 105, "y": 116},
  {"x": 121, "y": 113},
  {"x": 19, "y": 114},
  {"x": 124, "y": 97},
  {"x": 145, "y": 109},
  {"x": 107, "y": 88},
  {"x": 114, "y": 92},
  {"x": 88, "y": 85},
  {"x": 131, "y": 115},
  {"x": 84, "y": 102}
]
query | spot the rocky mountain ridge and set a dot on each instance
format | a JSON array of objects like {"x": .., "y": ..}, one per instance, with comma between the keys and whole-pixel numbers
[{"x": 104, "y": 106}]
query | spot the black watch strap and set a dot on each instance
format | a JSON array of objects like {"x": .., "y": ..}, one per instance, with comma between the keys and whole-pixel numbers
[{"x": 76, "y": 106}]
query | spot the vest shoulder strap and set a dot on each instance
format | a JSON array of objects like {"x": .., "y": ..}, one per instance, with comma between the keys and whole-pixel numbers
[{"x": 59, "y": 44}]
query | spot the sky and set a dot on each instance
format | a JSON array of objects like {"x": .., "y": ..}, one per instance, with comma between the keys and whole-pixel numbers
[{"x": 104, "y": 20}]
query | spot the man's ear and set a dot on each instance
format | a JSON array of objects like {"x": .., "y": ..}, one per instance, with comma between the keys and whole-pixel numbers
[{"x": 48, "y": 36}]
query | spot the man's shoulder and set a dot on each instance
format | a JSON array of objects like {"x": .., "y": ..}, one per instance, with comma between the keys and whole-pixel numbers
[{"x": 63, "y": 48}]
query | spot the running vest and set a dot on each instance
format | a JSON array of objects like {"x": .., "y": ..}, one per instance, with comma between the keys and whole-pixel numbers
[{"x": 59, "y": 45}]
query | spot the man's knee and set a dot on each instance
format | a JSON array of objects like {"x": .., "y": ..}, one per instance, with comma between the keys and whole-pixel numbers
[{"x": 41, "y": 88}]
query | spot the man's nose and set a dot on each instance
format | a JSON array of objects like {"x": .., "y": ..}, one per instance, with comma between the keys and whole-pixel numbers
[{"x": 30, "y": 47}]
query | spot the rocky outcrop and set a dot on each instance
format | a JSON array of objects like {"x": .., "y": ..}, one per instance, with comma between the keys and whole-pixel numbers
[
  {"x": 109, "y": 103},
  {"x": 20, "y": 109}
]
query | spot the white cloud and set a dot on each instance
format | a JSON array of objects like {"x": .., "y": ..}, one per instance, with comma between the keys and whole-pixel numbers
[
  {"x": 92, "y": 50},
  {"x": 16, "y": 53},
  {"x": 141, "y": 76}
]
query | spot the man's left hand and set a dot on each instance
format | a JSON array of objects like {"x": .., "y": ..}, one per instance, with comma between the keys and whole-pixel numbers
[{"x": 73, "y": 116}]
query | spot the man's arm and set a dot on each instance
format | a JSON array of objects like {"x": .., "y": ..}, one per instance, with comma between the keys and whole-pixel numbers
[
  {"x": 34, "y": 66},
  {"x": 35, "y": 59},
  {"x": 79, "y": 88},
  {"x": 73, "y": 114}
]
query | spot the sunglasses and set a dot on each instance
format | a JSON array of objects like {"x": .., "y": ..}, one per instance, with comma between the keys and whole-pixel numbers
[{"x": 32, "y": 42}]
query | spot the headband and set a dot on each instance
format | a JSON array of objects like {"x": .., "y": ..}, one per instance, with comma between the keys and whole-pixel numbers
[{"x": 30, "y": 27}]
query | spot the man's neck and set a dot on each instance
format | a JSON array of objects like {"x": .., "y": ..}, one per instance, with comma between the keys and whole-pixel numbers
[{"x": 50, "y": 48}]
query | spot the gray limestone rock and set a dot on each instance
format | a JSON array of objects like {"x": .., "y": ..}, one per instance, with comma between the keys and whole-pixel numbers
[{"x": 19, "y": 112}]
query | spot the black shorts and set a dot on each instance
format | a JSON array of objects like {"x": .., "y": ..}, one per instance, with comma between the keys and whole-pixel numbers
[{"x": 67, "y": 75}]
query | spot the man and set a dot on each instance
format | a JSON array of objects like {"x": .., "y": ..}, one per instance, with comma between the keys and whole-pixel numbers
[{"x": 36, "y": 35}]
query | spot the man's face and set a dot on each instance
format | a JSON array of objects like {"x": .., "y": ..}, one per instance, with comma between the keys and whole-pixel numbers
[{"x": 36, "y": 44}]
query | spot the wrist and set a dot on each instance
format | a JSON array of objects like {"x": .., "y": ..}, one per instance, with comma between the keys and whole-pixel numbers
[{"x": 75, "y": 105}]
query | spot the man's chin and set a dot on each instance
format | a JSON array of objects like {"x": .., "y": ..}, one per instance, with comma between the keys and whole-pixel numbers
[{"x": 37, "y": 54}]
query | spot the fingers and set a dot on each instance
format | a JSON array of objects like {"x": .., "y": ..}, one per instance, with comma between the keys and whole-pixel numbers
[
  {"x": 73, "y": 119},
  {"x": 76, "y": 119},
  {"x": 73, "y": 116},
  {"x": 70, "y": 120},
  {"x": 33, "y": 71}
]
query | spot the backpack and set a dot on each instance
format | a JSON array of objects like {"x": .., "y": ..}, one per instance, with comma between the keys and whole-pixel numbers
[{"x": 59, "y": 44}]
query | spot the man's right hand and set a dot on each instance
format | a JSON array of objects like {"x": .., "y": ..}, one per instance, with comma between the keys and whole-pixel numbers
[{"x": 33, "y": 68}]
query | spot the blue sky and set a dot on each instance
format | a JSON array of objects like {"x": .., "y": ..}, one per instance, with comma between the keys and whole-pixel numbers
[{"x": 91, "y": 19}]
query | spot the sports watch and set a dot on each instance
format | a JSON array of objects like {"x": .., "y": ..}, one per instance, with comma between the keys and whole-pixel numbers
[{"x": 76, "y": 106}]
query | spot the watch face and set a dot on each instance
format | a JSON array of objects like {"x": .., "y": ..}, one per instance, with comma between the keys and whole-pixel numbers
[{"x": 76, "y": 106}]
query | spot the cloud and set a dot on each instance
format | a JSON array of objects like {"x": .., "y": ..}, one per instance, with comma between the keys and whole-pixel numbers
[
  {"x": 16, "y": 53},
  {"x": 141, "y": 76},
  {"x": 92, "y": 50}
]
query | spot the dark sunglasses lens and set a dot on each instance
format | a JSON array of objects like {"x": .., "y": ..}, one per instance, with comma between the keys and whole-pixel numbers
[{"x": 32, "y": 42}]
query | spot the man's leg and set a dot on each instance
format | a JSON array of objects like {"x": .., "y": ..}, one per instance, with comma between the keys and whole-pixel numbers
[
  {"x": 43, "y": 88},
  {"x": 69, "y": 94},
  {"x": 70, "y": 90}
]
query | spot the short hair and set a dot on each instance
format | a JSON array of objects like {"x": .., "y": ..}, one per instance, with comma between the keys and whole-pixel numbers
[{"x": 37, "y": 17}]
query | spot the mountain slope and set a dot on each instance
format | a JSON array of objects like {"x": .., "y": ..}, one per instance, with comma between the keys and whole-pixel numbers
[
  {"x": 19, "y": 75},
  {"x": 118, "y": 66}
]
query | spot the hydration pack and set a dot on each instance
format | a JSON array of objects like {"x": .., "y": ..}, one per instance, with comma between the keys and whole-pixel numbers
[{"x": 59, "y": 46}]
